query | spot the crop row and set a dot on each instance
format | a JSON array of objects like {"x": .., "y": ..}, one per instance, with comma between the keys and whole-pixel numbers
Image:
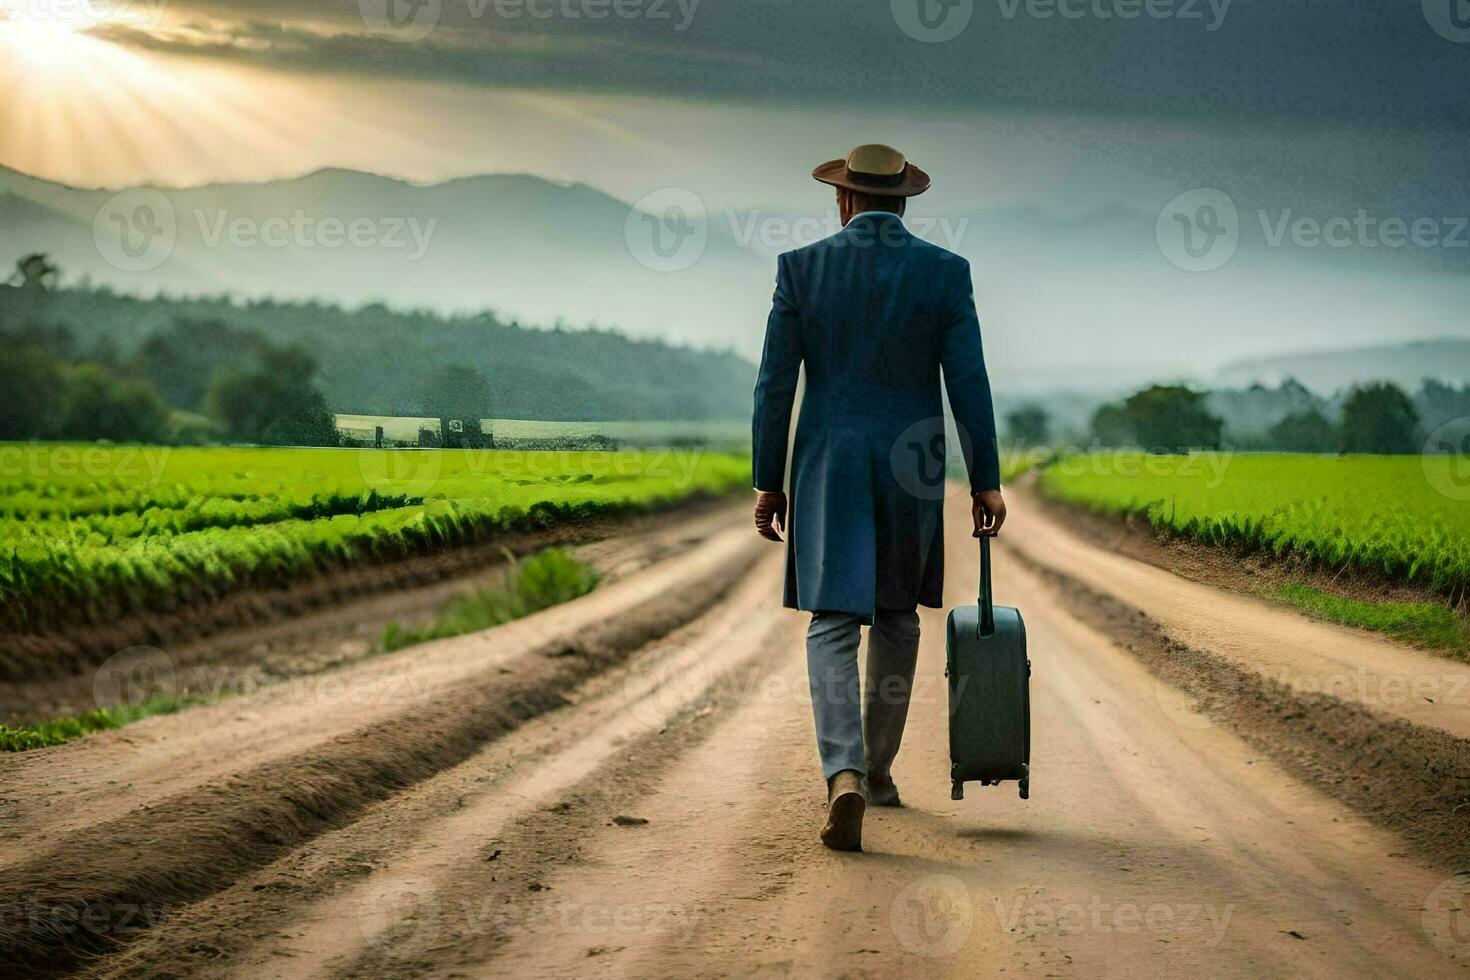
[
  {"x": 60, "y": 567},
  {"x": 1400, "y": 516}
]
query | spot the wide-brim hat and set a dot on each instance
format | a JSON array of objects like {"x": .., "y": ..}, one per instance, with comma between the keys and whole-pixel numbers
[{"x": 874, "y": 169}]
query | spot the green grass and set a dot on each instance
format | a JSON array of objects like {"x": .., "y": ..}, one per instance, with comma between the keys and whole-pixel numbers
[
  {"x": 1423, "y": 624},
  {"x": 59, "y": 730},
  {"x": 1382, "y": 514},
  {"x": 88, "y": 532},
  {"x": 546, "y": 579}
]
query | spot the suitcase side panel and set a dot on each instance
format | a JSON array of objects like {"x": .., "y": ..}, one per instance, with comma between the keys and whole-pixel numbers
[{"x": 989, "y": 695}]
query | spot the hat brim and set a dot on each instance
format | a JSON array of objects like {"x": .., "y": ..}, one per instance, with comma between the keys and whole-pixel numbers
[{"x": 912, "y": 183}]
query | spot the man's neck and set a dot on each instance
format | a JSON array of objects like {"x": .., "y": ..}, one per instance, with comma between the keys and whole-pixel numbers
[{"x": 873, "y": 213}]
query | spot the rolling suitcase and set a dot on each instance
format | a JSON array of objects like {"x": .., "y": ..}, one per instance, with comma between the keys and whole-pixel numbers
[{"x": 989, "y": 691}]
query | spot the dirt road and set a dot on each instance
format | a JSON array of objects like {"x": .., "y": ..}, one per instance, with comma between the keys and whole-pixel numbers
[{"x": 653, "y": 812}]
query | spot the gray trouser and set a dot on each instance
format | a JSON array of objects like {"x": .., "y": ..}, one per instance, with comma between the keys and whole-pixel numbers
[{"x": 861, "y": 729}]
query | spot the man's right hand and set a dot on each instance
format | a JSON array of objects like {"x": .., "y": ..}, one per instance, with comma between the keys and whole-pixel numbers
[
  {"x": 988, "y": 508},
  {"x": 770, "y": 513}
]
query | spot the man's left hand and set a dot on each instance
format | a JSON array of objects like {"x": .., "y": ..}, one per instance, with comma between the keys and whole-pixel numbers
[{"x": 770, "y": 513}]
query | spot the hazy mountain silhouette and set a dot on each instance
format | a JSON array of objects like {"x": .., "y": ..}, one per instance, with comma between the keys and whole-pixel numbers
[
  {"x": 1330, "y": 370},
  {"x": 1089, "y": 301}
]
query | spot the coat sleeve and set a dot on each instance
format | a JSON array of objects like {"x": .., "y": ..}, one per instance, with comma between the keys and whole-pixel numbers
[
  {"x": 775, "y": 385},
  {"x": 963, "y": 361}
]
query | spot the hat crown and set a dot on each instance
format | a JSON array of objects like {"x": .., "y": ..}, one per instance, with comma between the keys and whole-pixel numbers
[{"x": 875, "y": 158}]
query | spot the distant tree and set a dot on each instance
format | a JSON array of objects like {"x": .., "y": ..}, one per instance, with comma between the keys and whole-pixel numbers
[
  {"x": 34, "y": 272},
  {"x": 1379, "y": 418},
  {"x": 99, "y": 405},
  {"x": 33, "y": 384},
  {"x": 1303, "y": 432},
  {"x": 1171, "y": 418},
  {"x": 193, "y": 429},
  {"x": 1029, "y": 425},
  {"x": 461, "y": 395},
  {"x": 183, "y": 360},
  {"x": 1110, "y": 427},
  {"x": 277, "y": 403},
  {"x": 1438, "y": 403}
]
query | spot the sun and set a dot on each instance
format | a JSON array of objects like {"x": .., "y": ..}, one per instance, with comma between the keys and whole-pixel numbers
[
  {"x": 35, "y": 19},
  {"x": 40, "y": 34}
]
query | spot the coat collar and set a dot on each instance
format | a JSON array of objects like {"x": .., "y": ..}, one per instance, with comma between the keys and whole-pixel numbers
[{"x": 881, "y": 226}]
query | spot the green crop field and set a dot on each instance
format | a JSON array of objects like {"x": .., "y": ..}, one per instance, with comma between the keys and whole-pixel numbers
[
  {"x": 89, "y": 531},
  {"x": 1407, "y": 517}
]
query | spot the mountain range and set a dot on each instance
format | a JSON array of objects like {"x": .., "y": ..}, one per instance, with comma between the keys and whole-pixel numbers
[{"x": 1087, "y": 302}]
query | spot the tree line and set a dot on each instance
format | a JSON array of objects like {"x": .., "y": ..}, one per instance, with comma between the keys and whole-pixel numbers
[
  {"x": 373, "y": 360},
  {"x": 196, "y": 383},
  {"x": 1377, "y": 417}
]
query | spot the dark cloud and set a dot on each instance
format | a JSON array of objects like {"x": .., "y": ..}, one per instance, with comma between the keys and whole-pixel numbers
[{"x": 1332, "y": 59}]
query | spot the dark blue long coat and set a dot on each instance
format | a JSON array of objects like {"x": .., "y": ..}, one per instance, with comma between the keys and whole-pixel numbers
[{"x": 876, "y": 315}]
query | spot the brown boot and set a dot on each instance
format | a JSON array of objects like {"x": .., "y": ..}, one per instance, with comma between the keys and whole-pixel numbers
[
  {"x": 881, "y": 792},
  {"x": 845, "y": 804}
]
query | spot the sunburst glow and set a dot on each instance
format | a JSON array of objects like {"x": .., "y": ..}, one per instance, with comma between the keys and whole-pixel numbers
[{"x": 70, "y": 91}]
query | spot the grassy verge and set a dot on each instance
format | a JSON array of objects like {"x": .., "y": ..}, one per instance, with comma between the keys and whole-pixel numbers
[
  {"x": 1423, "y": 624},
  {"x": 59, "y": 730},
  {"x": 546, "y": 579},
  {"x": 550, "y": 577}
]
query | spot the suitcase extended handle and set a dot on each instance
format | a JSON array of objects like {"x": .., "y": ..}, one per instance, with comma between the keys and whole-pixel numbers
[{"x": 987, "y": 598}]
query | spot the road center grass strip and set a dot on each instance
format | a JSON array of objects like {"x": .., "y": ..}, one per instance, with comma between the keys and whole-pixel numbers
[{"x": 546, "y": 579}]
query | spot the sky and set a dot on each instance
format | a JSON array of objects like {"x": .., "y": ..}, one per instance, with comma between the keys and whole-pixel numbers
[{"x": 1325, "y": 108}]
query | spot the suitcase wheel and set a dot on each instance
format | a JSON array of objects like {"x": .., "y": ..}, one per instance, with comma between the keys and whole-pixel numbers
[
  {"x": 957, "y": 790},
  {"x": 1026, "y": 789}
]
